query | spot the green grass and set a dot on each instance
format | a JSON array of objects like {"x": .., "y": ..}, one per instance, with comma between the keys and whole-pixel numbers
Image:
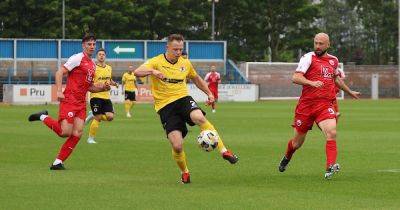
[{"x": 131, "y": 167}]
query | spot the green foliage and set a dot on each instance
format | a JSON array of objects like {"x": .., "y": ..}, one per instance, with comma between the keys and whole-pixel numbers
[{"x": 256, "y": 30}]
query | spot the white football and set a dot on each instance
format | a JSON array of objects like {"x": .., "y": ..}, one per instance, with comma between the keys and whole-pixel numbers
[{"x": 208, "y": 140}]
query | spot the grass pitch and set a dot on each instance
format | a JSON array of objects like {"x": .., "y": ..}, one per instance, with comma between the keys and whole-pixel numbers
[{"x": 131, "y": 166}]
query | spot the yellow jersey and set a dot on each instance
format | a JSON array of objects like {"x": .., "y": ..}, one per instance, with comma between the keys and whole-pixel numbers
[
  {"x": 173, "y": 86},
  {"x": 129, "y": 81},
  {"x": 101, "y": 75}
]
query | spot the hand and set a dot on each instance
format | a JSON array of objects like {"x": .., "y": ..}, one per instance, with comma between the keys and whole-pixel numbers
[
  {"x": 211, "y": 99},
  {"x": 355, "y": 94},
  {"x": 114, "y": 84},
  {"x": 158, "y": 74},
  {"x": 316, "y": 84},
  {"x": 60, "y": 96},
  {"x": 106, "y": 86}
]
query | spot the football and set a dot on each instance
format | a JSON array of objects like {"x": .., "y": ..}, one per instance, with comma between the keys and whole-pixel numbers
[{"x": 208, "y": 140}]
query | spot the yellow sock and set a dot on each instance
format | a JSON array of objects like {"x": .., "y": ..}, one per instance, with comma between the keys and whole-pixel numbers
[
  {"x": 103, "y": 117},
  {"x": 208, "y": 126},
  {"x": 93, "y": 128},
  {"x": 127, "y": 106},
  {"x": 180, "y": 159}
]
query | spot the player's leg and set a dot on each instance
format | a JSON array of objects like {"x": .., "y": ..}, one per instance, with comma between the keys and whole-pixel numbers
[
  {"x": 328, "y": 127},
  {"x": 96, "y": 104},
  {"x": 295, "y": 143},
  {"x": 176, "y": 130},
  {"x": 197, "y": 117},
  {"x": 130, "y": 98},
  {"x": 69, "y": 144},
  {"x": 176, "y": 139},
  {"x": 302, "y": 123},
  {"x": 108, "y": 110},
  {"x": 214, "y": 104},
  {"x": 60, "y": 127},
  {"x": 94, "y": 126}
]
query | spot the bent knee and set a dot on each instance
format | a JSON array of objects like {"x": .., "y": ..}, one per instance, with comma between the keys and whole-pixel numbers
[
  {"x": 177, "y": 148},
  {"x": 77, "y": 133},
  {"x": 331, "y": 134},
  {"x": 199, "y": 119}
]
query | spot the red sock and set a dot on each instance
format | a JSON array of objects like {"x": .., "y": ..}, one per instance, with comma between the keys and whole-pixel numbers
[
  {"x": 67, "y": 147},
  {"x": 331, "y": 152},
  {"x": 53, "y": 125},
  {"x": 289, "y": 150}
]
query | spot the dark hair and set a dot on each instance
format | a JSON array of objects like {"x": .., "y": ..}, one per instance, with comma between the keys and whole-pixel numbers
[
  {"x": 88, "y": 36},
  {"x": 177, "y": 37},
  {"x": 101, "y": 49}
]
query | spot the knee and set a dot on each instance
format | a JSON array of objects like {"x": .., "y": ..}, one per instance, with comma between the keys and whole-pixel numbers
[
  {"x": 178, "y": 148},
  {"x": 199, "y": 119},
  {"x": 331, "y": 134},
  {"x": 296, "y": 144},
  {"x": 110, "y": 117},
  {"x": 77, "y": 132},
  {"x": 64, "y": 134}
]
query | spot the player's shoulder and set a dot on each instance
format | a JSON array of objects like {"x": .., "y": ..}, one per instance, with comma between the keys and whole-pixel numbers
[
  {"x": 77, "y": 56},
  {"x": 158, "y": 57},
  {"x": 109, "y": 67},
  {"x": 308, "y": 56},
  {"x": 332, "y": 57}
]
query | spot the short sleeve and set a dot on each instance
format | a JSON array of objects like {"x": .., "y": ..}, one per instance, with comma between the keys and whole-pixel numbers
[
  {"x": 73, "y": 61},
  {"x": 304, "y": 64},
  {"x": 207, "y": 77},
  {"x": 151, "y": 63}
]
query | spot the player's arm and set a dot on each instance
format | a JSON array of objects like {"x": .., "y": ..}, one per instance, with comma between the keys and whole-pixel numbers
[
  {"x": 202, "y": 85},
  {"x": 58, "y": 78},
  {"x": 298, "y": 78},
  {"x": 340, "y": 83},
  {"x": 113, "y": 83},
  {"x": 99, "y": 87},
  {"x": 143, "y": 71}
]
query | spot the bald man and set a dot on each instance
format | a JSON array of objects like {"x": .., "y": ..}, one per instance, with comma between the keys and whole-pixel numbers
[{"x": 318, "y": 73}]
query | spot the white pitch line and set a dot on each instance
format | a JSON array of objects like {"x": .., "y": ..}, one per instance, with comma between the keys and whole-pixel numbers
[{"x": 390, "y": 170}]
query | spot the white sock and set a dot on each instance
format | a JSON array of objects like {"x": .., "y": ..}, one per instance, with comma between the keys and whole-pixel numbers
[
  {"x": 43, "y": 116},
  {"x": 223, "y": 150},
  {"x": 57, "y": 161}
]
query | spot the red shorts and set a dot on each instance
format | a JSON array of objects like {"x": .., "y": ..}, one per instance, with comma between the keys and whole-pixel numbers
[
  {"x": 69, "y": 111},
  {"x": 309, "y": 112},
  {"x": 215, "y": 93},
  {"x": 335, "y": 106}
]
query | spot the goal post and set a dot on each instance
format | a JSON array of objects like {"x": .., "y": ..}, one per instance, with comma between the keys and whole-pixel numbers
[{"x": 274, "y": 80}]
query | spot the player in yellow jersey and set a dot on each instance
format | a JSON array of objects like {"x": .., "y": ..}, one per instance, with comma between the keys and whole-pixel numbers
[
  {"x": 100, "y": 103},
  {"x": 168, "y": 73},
  {"x": 129, "y": 85}
]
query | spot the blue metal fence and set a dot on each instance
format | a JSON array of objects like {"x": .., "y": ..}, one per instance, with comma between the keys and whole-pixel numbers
[{"x": 42, "y": 50}]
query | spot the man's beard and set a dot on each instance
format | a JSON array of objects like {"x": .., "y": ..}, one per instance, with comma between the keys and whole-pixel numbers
[{"x": 320, "y": 53}]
